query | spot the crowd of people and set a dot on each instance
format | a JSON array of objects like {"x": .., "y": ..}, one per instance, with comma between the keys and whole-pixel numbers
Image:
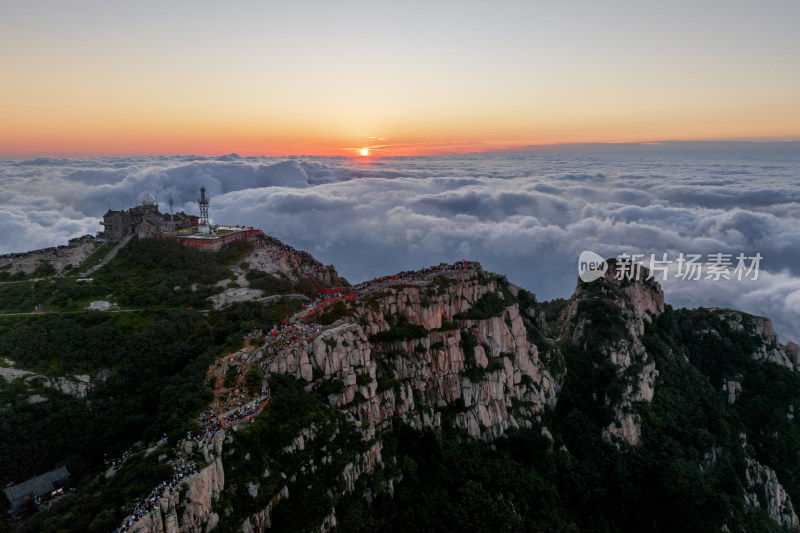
[
  {"x": 209, "y": 418},
  {"x": 114, "y": 463},
  {"x": 52, "y": 249},
  {"x": 184, "y": 467},
  {"x": 228, "y": 409},
  {"x": 205, "y": 433},
  {"x": 317, "y": 303},
  {"x": 292, "y": 333},
  {"x": 80, "y": 240},
  {"x": 244, "y": 414},
  {"x": 423, "y": 274}
]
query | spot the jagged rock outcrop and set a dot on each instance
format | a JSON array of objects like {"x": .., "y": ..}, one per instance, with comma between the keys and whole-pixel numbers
[
  {"x": 637, "y": 301},
  {"x": 732, "y": 388},
  {"x": 770, "y": 349},
  {"x": 276, "y": 258},
  {"x": 484, "y": 374},
  {"x": 431, "y": 372},
  {"x": 764, "y": 490},
  {"x": 77, "y": 385},
  {"x": 793, "y": 351},
  {"x": 263, "y": 519},
  {"x": 187, "y": 506}
]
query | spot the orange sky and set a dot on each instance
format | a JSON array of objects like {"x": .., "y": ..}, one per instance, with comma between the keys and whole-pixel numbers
[{"x": 311, "y": 78}]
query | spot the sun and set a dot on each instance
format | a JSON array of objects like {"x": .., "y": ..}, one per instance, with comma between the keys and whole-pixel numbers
[{"x": 364, "y": 152}]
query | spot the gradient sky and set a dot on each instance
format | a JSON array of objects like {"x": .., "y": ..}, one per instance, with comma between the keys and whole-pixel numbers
[{"x": 121, "y": 77}]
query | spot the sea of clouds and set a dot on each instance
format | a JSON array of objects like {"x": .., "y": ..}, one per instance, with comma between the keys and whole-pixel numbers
[{"x": 528, "y": 214}]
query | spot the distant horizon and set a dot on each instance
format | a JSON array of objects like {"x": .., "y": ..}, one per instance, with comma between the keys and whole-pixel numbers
[{"x": 705, "y": 144}]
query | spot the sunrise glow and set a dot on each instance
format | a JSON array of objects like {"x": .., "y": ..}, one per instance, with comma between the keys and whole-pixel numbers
[{"x": 139, "y": 78}]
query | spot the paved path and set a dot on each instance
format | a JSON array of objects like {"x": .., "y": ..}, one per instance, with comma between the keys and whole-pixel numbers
[
  {"x": 76, "y": 311},
  {"x": 109, "y": 256},
  {"x": 20, "y": 281}
]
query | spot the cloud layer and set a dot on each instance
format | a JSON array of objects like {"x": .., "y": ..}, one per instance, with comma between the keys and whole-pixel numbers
[{"x": 525, "y": 215}]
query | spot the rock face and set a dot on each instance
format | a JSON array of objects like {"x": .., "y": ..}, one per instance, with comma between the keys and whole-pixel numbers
[
  {"x": 77, "y": 385},
  {"x": 101, "y": 305},
  {"x": 409, "y": 353},
  {"x": 418, "y": 376},
  {"x": 274, "y": 257},
  {"x": 58, "y": 256},
  {"x": 485, "y": 371},
  {"x": 73, "y": 385},
  {"x": 637, "y": 299},
  {"x": 770, "y": 350},
  {"x": 636, "y": 302},
  {"x": 732, "y": 388},
  {"x": 229, "y": 296},
  {"x": 187, "y": 507},
  {"x": 793, "y": 351},
  {"x": 764, "y": 490}
]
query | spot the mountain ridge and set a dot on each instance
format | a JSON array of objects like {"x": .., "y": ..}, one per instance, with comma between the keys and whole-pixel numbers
[{"x": 466, "y": 355}]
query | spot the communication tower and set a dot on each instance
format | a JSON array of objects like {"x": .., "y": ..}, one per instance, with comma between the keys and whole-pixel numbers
[{"x": 204, "y": 226}]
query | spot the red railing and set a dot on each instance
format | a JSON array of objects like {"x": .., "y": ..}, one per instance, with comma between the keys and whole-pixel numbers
[
  {"x": 335, "y": 290},
  {"x": 349, "y": 296}
]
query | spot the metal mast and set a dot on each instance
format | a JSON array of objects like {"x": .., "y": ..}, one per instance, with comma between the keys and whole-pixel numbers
[
  {"x": 204, "y": 227},
  {"x": 203, "y": 201}
]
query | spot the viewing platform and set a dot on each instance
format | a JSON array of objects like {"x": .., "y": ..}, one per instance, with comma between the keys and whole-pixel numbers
[{"x": 212, "y": 242}]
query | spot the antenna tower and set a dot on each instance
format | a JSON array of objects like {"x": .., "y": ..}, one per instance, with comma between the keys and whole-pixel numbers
[{"x": 203, "y": 201}]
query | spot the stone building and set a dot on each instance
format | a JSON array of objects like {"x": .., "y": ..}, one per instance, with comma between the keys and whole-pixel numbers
[
  {"x": 36, "y": 487},
  {"x": 144, "y": 221}
]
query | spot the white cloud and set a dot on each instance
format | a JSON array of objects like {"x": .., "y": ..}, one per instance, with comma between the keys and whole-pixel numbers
[{"x": 528, "y": 216}]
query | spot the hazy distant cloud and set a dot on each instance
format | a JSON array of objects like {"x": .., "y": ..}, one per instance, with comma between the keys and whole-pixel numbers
[{"x": 528, "y": 216}]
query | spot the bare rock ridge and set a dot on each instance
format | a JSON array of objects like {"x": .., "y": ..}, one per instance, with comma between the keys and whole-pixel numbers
[
  {"x": 770, "y": 349},
  {"x": 431, "y": 369},
  {"x": 462, "y": 344},
  {"x": 485, "y": 369},
  {"x": 638, "y": 302},
  {"x": 762, "y": 485},
  {"x": 188, "y": 505},
  {"x": 635, "y": 302}
]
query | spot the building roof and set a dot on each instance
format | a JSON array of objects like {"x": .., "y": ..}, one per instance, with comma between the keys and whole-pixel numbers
[{"x": 35, "y": 486}]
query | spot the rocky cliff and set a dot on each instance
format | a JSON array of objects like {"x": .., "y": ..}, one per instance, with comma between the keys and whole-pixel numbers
[
  {"x": 482, "y": 372},
  {"x": 632, "y": 304},
  {"x": 497, "y": 369},
  {"x": 763, "y": 490},
  {"x": 186, "y": 505},
  {"x": 463, "y": 352},
  {"x": 769, "y": 349}
]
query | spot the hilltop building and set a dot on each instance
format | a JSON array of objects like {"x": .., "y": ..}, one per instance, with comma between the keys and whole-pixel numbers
[
  {"x": 36, "y": 487},
  {"x": 144, "y": 221}
]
